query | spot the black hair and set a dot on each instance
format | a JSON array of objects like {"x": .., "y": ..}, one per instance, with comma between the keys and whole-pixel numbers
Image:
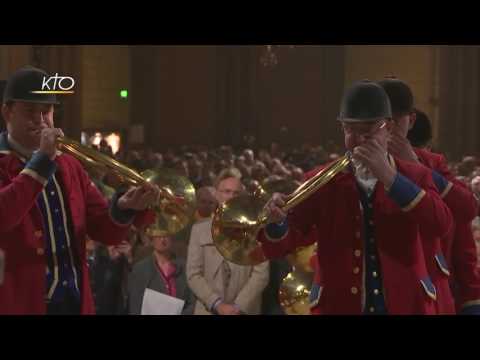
[{"x": 420, "y": 134}]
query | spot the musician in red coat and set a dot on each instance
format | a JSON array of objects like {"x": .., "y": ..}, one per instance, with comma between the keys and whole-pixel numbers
[
  {"x": 370, "y": 218},
  {"x": 456, "y": 250},
  {"x": 48, "y": 205}
]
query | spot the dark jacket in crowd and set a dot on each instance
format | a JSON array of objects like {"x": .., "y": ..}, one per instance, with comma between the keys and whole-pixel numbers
[
  {"x": 146, "y": 275},
  {"x": 108, "y": 281},
  {"x": 279, "y": 269}
]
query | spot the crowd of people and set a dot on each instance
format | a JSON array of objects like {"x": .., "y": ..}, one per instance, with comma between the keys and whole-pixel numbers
[
  {"x": 254, "y": 168},
  {"x": 409, "y": 248},
  {"x": 203, "y": 167}
]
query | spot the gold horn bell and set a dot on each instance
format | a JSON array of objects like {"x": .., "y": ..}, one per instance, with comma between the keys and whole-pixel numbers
[
  {"x": 237, "y": 222},
  {"x": 176, "y": 205},
  {"x": 294, "y": 292}
]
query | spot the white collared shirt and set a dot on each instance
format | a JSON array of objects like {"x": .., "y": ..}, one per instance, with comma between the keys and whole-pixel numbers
[
  {"x": 367, "y": 184},
  {"x": 365, "y": 178}
]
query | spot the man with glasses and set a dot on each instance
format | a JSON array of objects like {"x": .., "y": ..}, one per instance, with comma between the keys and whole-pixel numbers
[
  {"x": 369, "y": 219},
  {"x": 455, "y": 250},
  {"x": 221, "y": 287}
]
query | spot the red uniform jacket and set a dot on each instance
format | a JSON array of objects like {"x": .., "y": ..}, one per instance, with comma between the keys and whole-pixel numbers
[
  {"x": 22, "y": 232},
  {"x": 335, "y": 209},
  {"x": 458, "y": 245}
]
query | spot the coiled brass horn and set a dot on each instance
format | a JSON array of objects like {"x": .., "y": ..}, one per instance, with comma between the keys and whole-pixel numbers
[
  {"x": 237, "y": 222},
  {"x": 176, "y": 205}
]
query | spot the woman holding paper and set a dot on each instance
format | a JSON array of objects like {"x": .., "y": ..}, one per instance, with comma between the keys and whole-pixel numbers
[{"x": 157, "y": 285}]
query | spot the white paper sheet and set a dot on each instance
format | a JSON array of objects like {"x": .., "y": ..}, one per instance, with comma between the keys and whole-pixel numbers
[{"x": 156, "y": 303}]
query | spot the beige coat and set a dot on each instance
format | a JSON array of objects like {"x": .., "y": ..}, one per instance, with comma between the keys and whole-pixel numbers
[{"x": 204, "y": 275}]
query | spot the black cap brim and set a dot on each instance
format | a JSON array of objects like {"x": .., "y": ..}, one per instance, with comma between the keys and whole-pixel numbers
[{"x": 48, "y": 102}]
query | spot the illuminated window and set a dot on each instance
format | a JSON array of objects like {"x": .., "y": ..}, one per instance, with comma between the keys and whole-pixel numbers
[
  {"x": 113, "y": 140},
  {"x": 95, "y": 139}
]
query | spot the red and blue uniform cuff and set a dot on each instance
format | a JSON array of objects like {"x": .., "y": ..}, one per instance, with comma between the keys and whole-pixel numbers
[
  {"x": 442, "y": 184},
  {"x": 440, "y": 181},
  {"x": 40, "y": 167},
  {"x": 123, "y": 217},
  {"x": 405, "y": 192}
]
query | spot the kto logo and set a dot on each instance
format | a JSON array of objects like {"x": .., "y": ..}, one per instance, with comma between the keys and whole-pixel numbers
[{"x": 56, "y": 85}]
